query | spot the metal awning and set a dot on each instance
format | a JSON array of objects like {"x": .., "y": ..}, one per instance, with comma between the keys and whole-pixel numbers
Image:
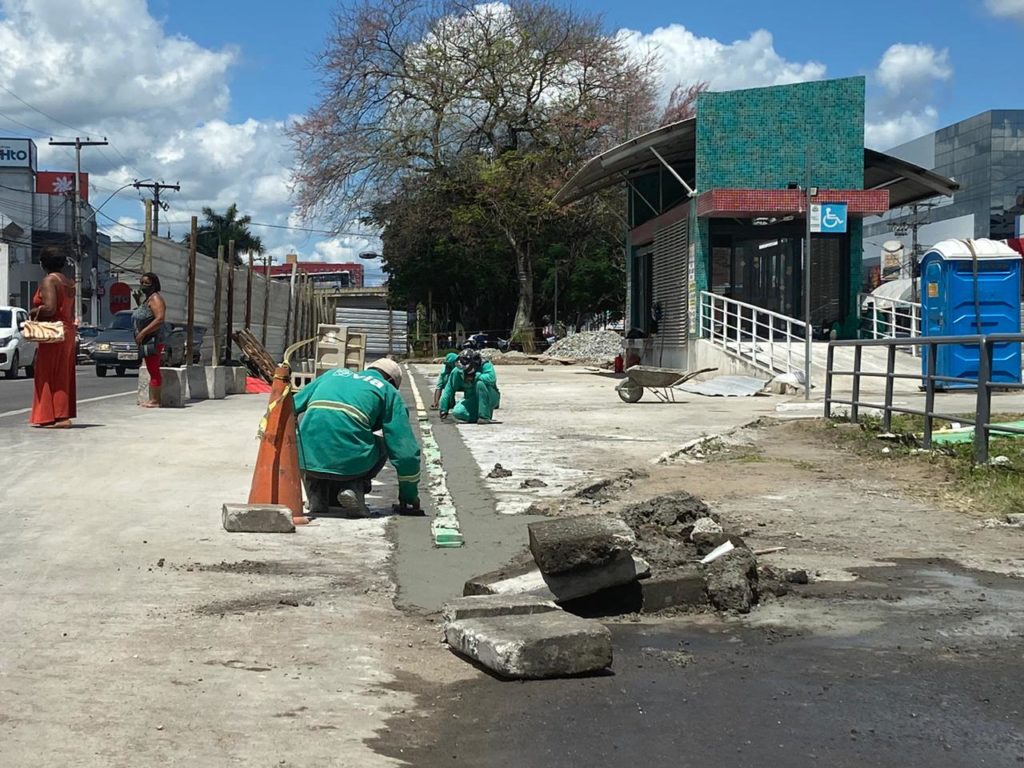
[{"x": 676, "y": 144}]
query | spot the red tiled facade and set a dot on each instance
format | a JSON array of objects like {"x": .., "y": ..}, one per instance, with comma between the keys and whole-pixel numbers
[{"x": 746, "y": 203}]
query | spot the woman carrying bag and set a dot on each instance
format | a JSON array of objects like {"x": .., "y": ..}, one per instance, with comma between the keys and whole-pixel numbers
[
  {"x": 151, "y": 333},
  {"x": 54, "y": 401}
]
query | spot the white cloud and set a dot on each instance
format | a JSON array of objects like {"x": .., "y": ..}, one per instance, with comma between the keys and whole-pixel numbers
[
  {"x": 1010, "y": 8},
  {"x": 687, "y": 58},
  {"x": 110, "y": 69},
  {"x": 904, "y": 68},
  {"x": 906, "y": 84}
]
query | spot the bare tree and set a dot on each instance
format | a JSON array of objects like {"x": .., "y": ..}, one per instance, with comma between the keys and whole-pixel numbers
[
  {"x": 515, "y": 96},
  {"x": 682, "y": 103}
]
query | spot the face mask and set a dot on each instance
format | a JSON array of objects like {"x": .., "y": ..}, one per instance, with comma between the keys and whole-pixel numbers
[{"x": 148, "y": 290}]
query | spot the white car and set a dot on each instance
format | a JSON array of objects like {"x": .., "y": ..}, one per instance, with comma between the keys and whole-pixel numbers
[{"x": 15, "y": 352}]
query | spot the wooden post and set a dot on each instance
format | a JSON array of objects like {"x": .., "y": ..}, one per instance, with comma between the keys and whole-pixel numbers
[
  {"x": 228, "y": 354},
  {"x": 217, "y": 351},
  {"x": 147, "y": 251},
  {"x": 248, "y": 295},
  {"x": 191, "y": 309},
  {"x": 266, "y": 298},
  {"x": 293, "y": 297}
]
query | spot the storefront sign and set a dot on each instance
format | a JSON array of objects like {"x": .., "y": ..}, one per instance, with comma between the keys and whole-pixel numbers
[
  {"x": 17, "y": 153},
  {"x": 828, "y": 218},
  {"x": 120, "y": 297},
  {"x": 61, "y": 183}
]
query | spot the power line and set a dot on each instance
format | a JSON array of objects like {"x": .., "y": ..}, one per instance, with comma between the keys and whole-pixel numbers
[{"x": 44, "y": 114}]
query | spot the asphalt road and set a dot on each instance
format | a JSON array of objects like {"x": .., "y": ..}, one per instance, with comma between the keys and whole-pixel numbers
[
  {"x": 16, "y": 394},
  {"x": 928, "y": 676}
]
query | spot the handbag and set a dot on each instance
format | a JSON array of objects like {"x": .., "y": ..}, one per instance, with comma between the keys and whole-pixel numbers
[
  {"x": 147, "y": 348},
  {"x": 43, "y": 331}
]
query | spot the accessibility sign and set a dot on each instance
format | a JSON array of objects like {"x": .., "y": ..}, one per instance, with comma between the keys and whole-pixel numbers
[{"x": 828, "y": 218}]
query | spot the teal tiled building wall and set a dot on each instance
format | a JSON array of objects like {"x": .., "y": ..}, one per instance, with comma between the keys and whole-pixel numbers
[{"x": 757, "y": 139}]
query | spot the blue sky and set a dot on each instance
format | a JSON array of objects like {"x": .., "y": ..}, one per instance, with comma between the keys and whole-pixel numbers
[{"x": 199, "y": 92}]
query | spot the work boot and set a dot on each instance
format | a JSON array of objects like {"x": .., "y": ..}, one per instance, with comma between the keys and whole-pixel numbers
[
  {"x": 367, "y": 486},
  {"x": 351, "y": 502}
]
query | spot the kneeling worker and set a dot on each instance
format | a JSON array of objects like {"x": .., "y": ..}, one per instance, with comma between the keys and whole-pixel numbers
[
  {"x": 476, "y": 405},
  {"x": 339, "y": 454},
  {"x": 442, "y": 377}
]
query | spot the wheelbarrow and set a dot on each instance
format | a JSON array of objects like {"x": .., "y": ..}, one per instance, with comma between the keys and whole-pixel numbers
[{"x": 661, "y": 381}]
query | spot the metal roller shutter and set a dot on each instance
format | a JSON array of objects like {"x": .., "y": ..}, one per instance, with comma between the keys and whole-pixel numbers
[
  {"x": 671, "y": 265},
  {"x": 385, "y": 329}
]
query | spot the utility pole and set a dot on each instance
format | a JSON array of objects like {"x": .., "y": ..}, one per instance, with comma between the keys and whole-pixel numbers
[
  {"x": 76, "y": 222},
  {"x": 807, "y": 279},
  {"x": 156, "y": 186}
]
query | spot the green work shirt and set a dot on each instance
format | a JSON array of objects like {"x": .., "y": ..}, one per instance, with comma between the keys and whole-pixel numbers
[{"x": 341, "y": 411}]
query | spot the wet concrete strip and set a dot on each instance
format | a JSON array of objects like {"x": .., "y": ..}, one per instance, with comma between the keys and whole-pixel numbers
[{"x": 427, "y": 576}]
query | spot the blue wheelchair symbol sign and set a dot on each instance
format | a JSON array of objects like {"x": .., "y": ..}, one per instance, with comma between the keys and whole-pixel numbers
[{"x": 829, "y": 218}]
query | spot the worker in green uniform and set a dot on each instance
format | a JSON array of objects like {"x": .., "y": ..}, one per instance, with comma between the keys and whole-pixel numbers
[
  {"x": 339, "y": 454},
  {"x": 476, "y": 406},
  {"x": 489, "y": 376},
  {"x": 442, "y": 377}
]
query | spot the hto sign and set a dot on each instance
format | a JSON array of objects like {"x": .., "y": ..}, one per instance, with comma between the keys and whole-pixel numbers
[{"x": 17, "y": 153}]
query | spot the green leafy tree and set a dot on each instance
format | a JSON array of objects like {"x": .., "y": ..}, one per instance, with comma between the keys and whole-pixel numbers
[{"x": 218, "y": 229}]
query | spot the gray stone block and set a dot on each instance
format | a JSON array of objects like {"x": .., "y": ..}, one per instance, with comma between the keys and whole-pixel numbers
[
  {"x": 570, "y": 543},
  {"x": 234, "y": 379},
  {"x": 544, "y": 645},
  {"x": 257, "y": 518},
  {"x": 485, "y": 606},
  {"x": 206, "y": 382},
  {"x": 172, "y": 391},
  {"x": 586, "y": 581},
  {"x": 681, "y": 588},
  {"x": 731, "y": 581}
]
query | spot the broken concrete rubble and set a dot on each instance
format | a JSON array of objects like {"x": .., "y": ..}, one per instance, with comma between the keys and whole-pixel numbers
[
  {"x": 681, "y": 588},
  {"x": 499, "y": 472},
  {"x": 731, "y": 581},
  {"x": 537, "y": 646},
  {"x": 567, "y": 544},
  {"x": 707, "y": 542},
  {"x": 559, "y": 587},
  {"x": 674, "y": 514}
]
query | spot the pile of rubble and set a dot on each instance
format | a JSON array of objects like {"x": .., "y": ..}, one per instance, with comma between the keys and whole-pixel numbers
[
  {"x": 670, "y": 552},
  {"x": 590, "y": 346}
]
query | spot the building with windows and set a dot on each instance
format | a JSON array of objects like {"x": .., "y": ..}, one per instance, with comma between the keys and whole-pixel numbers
[
  {"x": 718, "y": 207},
  {"x": 324, "y": 276},
  {"x": 37, "y": 209},
  {"x": 985, "y": 155}
]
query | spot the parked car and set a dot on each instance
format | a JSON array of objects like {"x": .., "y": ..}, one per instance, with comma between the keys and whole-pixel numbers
[
  {"x": 115, "y": 347},
  {"x": 483, "y": 340},
  {"x": 15, "y": 352},
  {"x": 86, "y": 338}
]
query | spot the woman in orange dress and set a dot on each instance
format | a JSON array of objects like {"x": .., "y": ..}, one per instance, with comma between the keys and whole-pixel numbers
[{"x": 54, "y": 402}]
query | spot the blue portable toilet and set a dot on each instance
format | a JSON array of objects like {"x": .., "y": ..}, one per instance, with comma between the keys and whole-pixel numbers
[{"x": 969, "y": 288}]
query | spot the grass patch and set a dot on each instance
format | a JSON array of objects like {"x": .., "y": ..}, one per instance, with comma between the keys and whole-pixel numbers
[{"x": 993, "y": 489}]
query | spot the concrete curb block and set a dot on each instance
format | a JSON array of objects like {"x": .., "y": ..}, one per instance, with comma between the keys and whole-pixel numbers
[
  {"x": 444, "y": 528},
  {"x": 234, "y": 379},
  {"x": 206, "y": 382},
  {"x": 257, "y": 518},
  {"x": 173, "y": 392}
]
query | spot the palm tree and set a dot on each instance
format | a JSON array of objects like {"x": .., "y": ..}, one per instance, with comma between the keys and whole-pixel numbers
[{"x": 218, "y": 229}]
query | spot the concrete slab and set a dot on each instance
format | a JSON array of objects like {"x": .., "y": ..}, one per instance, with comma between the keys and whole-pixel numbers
[
  {"x": 173, "y": 391},
  {"x": 681, "y": 588},
  {"x": 234, "y": 379},
  {"x": 562, "y": 545},
  {"x": 554, "y": 644},
  {"x": 206, "y": 382},
  {"x": 580, "y": 583},
  {"x": 486, "y": 606},
  {"x": 257, "y": 518}
]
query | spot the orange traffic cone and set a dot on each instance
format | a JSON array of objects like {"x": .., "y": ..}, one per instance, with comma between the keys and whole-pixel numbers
[{"x": 276, "y": 480}]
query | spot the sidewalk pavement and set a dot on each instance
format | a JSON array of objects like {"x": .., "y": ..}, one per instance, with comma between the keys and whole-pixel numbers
[{"x": 138, "y": 632}]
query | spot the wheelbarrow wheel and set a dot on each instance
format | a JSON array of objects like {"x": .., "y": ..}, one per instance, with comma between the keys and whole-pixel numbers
[{"x": 630, "y": 392}]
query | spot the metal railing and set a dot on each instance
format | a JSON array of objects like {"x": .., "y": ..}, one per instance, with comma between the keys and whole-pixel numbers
[
  {"x": 765, "y": 339},
  {"x": 890, "y": 319},
  {"x": 983, "y": 384}
]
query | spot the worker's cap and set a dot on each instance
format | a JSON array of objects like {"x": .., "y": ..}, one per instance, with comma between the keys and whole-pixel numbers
[
  {"x": 389, "y": 368},
  {"x": 450, "y": 359}
]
